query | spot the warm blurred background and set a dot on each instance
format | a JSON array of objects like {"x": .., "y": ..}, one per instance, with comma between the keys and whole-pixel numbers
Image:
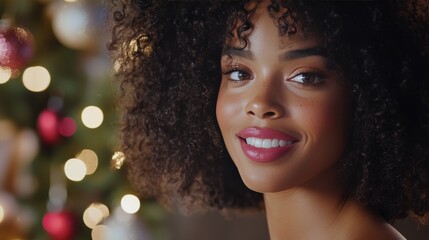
[
  {"x": 57, "y": 128},
  {"x": 60, "y": 174}
]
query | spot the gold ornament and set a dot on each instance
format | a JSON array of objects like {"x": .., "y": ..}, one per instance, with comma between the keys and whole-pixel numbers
[
  {"x": 138, "y": 45},
  {"x": 147, "y": 51},
  {"x": 118, "y": 160}
]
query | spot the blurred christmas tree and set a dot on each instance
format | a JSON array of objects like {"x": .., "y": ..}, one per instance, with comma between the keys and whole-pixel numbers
[{"x": 57, "y": 128}]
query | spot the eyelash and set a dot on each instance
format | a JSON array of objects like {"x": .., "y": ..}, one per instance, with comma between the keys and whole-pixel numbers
[
  {"x": 239, "y": 69},
  {"x": 308, "y": 74},
  {"x": 304, "y": 74}
]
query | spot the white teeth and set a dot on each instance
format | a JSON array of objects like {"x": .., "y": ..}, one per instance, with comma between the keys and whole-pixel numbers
[
  {"x": 257, "y": 142},
  {"x": 266, "y": 143},
  {"x": 275, "y": 143}
]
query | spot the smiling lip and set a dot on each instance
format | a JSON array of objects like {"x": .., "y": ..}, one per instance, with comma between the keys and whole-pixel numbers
[{"x": 265, "y": 145}]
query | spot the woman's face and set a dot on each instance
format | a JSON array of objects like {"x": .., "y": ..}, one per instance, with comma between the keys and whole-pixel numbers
[{"x": 282, "y": 110}]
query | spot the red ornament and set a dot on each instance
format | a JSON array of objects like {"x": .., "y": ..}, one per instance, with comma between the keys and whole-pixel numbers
[
  {"x": 16, "y": 47},
  {"x": 67, "y": 127},
  {"x": 59, "y": 225},
  {"x": 47, "y": 125}
]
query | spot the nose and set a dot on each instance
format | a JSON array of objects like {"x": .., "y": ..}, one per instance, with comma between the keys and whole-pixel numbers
[{"x": 265, "y": 104}]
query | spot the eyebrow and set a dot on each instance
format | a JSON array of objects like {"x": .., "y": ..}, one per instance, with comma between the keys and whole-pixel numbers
[
  {"x": 244, "y": 53},
  {"x": 287, "y": 56},
  {"x": 301, "y": 53}
]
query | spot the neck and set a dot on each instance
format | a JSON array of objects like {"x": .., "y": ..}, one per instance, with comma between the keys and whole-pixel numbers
[
  {"x": 318, "y": 209},
  {"x": 305, "y": 212}
]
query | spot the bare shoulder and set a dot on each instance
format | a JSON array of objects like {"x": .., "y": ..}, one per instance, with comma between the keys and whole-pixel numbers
[
  {"x": 373, "y": 230},
  {"x": 388, "y": 232},
  {"x": 360, "y": 224}
]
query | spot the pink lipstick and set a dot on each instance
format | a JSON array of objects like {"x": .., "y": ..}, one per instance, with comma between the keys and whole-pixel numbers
[{"x": 264, "y": 145}]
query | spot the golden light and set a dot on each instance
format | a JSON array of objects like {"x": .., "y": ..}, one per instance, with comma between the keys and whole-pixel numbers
[
  {"x": 94, "y": 214},
  {"x": 2, "y": 214},
  {"x": 36, "y": 79},
  {"x": 101, "y": 232},
  {"x": 90, "y": 159},
  {"x": 5, "y": 74},
  {"x": 75, "y": 169},
  {"x": 92, "y": 117},
  {"x": 130, "y": 203}
]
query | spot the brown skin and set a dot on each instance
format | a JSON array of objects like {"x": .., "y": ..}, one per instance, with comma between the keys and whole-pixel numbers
[{"x": 302, "y": 189}]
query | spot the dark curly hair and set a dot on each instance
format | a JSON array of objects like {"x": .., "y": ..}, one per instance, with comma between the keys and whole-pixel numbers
[{"x": 167, "y": 59}]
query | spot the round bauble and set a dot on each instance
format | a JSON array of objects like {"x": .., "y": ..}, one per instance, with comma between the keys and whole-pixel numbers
[{"x": 16, "y": 47}]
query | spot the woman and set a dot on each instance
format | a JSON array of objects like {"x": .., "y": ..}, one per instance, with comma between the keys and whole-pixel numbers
[{"x": 315, "y": 111}]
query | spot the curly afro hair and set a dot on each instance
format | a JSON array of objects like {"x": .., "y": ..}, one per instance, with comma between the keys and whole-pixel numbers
[{"x": 167, "y": 59}]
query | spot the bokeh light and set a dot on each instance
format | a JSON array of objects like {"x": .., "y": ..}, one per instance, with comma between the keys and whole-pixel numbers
[
  {"x": 92, "y": 117},
  {"x": 5, "y": 74},
  {"x": 130, "y": 203},
  {"x": 90, "y": 159},
  {"x": 101, "y": 232},
  {"x": 75, "y": 169},
  {"x": 72, "y": 24},
  {"x": 103, "y": 208},
  {"x": 36, "y": 79},
  {"x": 92, "y": 217},
  {"x": 94, "y": 214}
]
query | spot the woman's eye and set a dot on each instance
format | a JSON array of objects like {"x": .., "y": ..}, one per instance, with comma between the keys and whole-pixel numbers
[
  {"x": 307, "y": 78},
  {"x": 238, "y": 75}
]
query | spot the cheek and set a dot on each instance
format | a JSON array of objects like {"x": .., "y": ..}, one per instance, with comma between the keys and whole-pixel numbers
[
  {"x": 323, "y": 117},
  {"x": 227, "y": 108}
]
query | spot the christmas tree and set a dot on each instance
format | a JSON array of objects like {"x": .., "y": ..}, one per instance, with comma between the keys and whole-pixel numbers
[{"x": 60, "y": 174}]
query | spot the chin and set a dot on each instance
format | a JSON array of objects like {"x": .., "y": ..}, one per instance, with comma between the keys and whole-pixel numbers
[{"x": 263, "y": 184}]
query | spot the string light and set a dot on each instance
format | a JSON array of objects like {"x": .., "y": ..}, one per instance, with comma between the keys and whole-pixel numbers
[
  {"x": 92, "y": 117},
  {"x": 36, "y": 79},
  {"x": 75, "y": 169},
  {"x": 130, "y": 203}
]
